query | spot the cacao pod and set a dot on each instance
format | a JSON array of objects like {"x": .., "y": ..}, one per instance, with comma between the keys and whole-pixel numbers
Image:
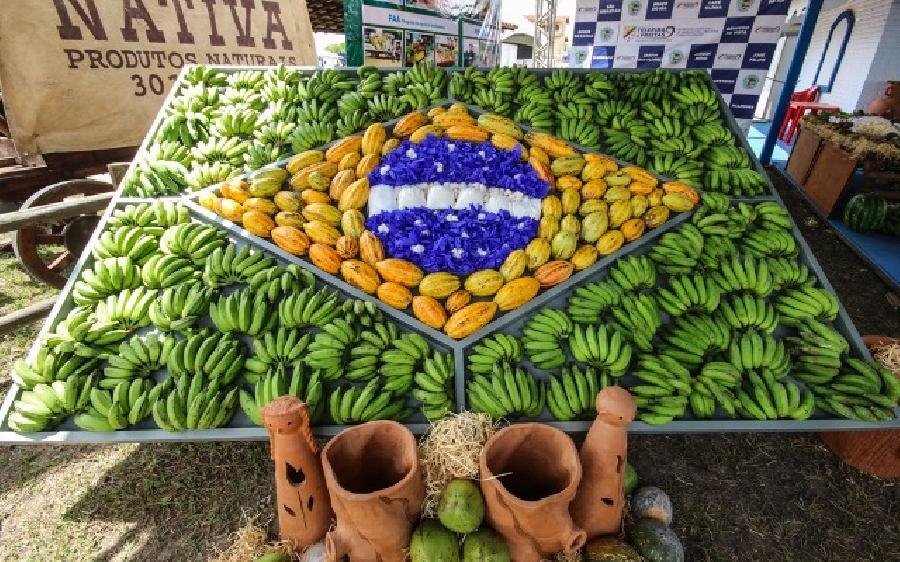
[
  {"x": 514, "y": 265},
  {"x": 400, "y": 271},
  {"x": 610, "y": 242},
  {"x": 236, "y": 189},
  {"x": 347, "y": 247},
  {"x": 458, "y": 107},
  {"x": 567, "y": 166},
  {"x": 325, "y": 258},
  {"x": 539, "y": 155},
  {"x": 640, "y": 188},
  {"x": 678, "y": 202},
  {"x": 610, "y": 164},
  {"x": 264, "y": 187},
  {"x": 312, "y": 196},
  {"x": 290, "y": 239},
  {"x": 639, "y": 204},
  {"x": 439, "y": 285},
  {"x": 570, "y": 223},
  {"x": 541, "y": 169},
  {"x": 355, "y": 196},
  {"x": 538, "y": 252},
  {"x": 372, "y": 140},
  {"x": 300, "y": 180},
  {"x": 289, "y": 218},
  {"x": 594, "y": 189},
  {"x": 360, "y": 275},
  {"x": 435, "y": 111},
  {"x": 353, "y": 223},
  {"x": 516, "y": 293},
  {"x": 548, "y": 227},
  {"x": 568, "y": 183},
  {"x": 426, "y": 131},
  {"x": 288, "y": 201},
  {"x": 469, "y": 133},
  {"x": 407, "y": 124},
  {"x": 593, "y": 206},
  {"x": 266, "y": 206},
  {"x": 655, "y": 197},
  {"x": 551, "y": 206},
  {"x": 617, "y": 179},
  {"x": 343, "y": 147},
  {"x": 640, "y": 175},
  {"x": 231, "y": 210},
  {"x": 619, "y": 212},
  {"x": 370, "y": 249},
  {"x": 349, "y": 161},
  {"x": 304, "y": 160},
  {"x": 257, "y": 223},
  {"x": 504, "y": 142},
  {"x": 389, "y": 145},
  {"x": 429, "y": 311},
  {"x": 584, "y": 257},
  {"x": 209, "y": 200},
  {"x": 484, "y": 282},
  {"x": 366, "y": 164},
  {"x": 563, "y": 245},
  {"x": 594, "y": 226},
  {"x": 340, "y": 182},
  {"x": 655, "y": 216},
  {"x": 457, "y": 300},
  {"x": 322, "y": 212},
  {"x": 683, "y": 188},
  {"x": 553, "y": 273},
  {"x": 453, "y": 118},
  {"x": 493, "y": 123},
  {"x": 632, "y": 229},
  {"x": 570, "y": 201},
  {"x": 594, "y": 170},
  {"x": 321, "y": 232},
  {"x": 318, "y": 181},
  {"x": 469, "y": 319},
  {"x": 554, "y": 147},
  {"x": 395, "y": 295},
  {"x": 614, "y": 194}
]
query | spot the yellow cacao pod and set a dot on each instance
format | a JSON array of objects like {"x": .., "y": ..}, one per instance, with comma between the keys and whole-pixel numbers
[
  {"x": 538, "y": 252},
  {"x": 542, "y": 169},
  {"x": 322, "y": 212},
  {"x": 318, "y": 181},
  {"x": 300, "y": 180},
  {"x": 655, "y": 216},
  {"x": 608, "y": 162},
  {"x": 395, "y": 295},
  {"x": 400, "y": 271},
  {"x": 304, "y": 160},
  {"x": 266, "y": 206},
  {"x": 617, "y": 179},
  {"x": 568, "y": 183},
  {"x": 452, "y": 119},
  {"x": 504, "y": 142},
  {"x": 594, "y": 189},
  {"x": 407, "y": 124},
  {"x": 258, "y": 223},
  {"x": 458, "y": 107},
  {"x": 288, "y": 200},
  {"x": 469, "y": 133},
  {"x": 325, "y": 258},
  {"x": 614, "y": 194},
  {"x": 553, "y": 273},
  {"x": 640, "y": 175},
  {"x": 551, "y": 206},
  {"x": 439, "y": 285},
  {"x": 429, "y": 311},
  {"x": 554, "y": 147},
  {"x": 360, "y": 275},
  {"x": 584, "y": 257},
  {"x": 548, "y": 227},
  {"x": 355, "y": 196},
  {"x": 677, "y": 202},
  {"x": 484, "y": 282},
  {"x": 370, "y": 249},
  {"x": 570, "y": 223},
  {"x": 493, "y": 123},
  {"x": 366, "y": 164},
  {"x": 231, "y": 209},
  {"x": 469, "y": 319},
  {"x": 264, "y": 187},
  {"x": 372, "y": 139},
  {"x": 343, "y": 147},
  {"x": 347, "y": 247},
  {"x": 563, "y": 245},
  {"x": 516, "y": 293},
  {"x": 514, "y": 265},
  {"x": 457, "y": 300},
  {"x": 349, "y": 161},
  {"x": 594, "y": 226},
  {"x": 235, "y": 189},
  {"x": 567, "y": 165},
  {"x": 610, "y": 242},
  {"x": 289, "y": 218},
  {"x": 619, "y": 212},
  {"x": 593, "y": 206},
  {"x": 389, "y": 145},
  {"x": 290, "y": 239},
  {"x": 594, "y": 170},
  {"x": 640, "y": 188},
  {"x": 426, "y": 131},
  {"x": 312, "y": 196},
  {"x": 683, "y": 188},
  {"x": 632, "y": 229},
  {"x": 435, "y": 111},
  {"x": 321, "y": 232},
  {"x": 539, "y": 155},
  {"x": 639, "y": 204},
  {"x": 353, "y": 223},
  {"x": 340, "y": 182},
  {"x": 655, "y": 197},
  {"x": 570, "y": 200},
  {"x": 209, "y": 200}
]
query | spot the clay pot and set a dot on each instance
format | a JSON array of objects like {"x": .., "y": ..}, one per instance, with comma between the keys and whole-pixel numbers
[
  {"x": 529, "y": 475},
  {"x": 376, "y": 488},
  {"x": 304, "y": 512},
  {"x": 888, "y": 105},
  {"x": 600, "y": 501}
]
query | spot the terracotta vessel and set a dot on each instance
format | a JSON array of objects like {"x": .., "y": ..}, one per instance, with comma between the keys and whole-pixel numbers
[
  {"x": 888, "y": 105},
  {"x": 600, "y": 501},
  {"x": 304, "y": 512},
  {"x": 376, "y": 488},
  {"x": 529, "y": 475}
]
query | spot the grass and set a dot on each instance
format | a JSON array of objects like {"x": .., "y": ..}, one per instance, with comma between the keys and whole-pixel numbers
[{"x": 736, "y": 497}]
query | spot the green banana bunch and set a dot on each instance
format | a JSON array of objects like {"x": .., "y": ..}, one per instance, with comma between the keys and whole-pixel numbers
[
  {"x": 167, "y": 270},
  {"x": 751, "y": 351},
  {"x": 330, "y": 349},
  {"x": 205, "y": 174},
  {"x": 278, "y": 281},
  {"x": 432, "y": 386},
  {"x": 193, "y": 241},
  {"x": 615, "y": 109},
  {"x": 281, "y": 73},
  {"x": 393, "y": 83},
  {"x": 46, "y": 405},
  {"x": 178, "y": 308},
  {"x": 651, "y": 110},
  {"x": 772, "y": 215},
  {"x": 401, "y": 361},
  {"x": 711, "y": 203},
  {"x": 694, "y": 337},
  {"x": 137, "y": 357},
  {"x": 236, "y": 99},
  {"x": 581, "y": 131},
  {"x": 697, "y": 115},
  {"x": 309, "y": 135},
  {"x": 817, "y": 352},
  {"x": 325, "y": 85},
  {"x": 603, "y": 348},
  {"x": 666, "y": 126},
  {"x": 738, "y": 182},
  {"x": 645, "y": 93},
  {"x": 492, "y": 350},
  {"x": 463, "y": 85},
  {"x": 689, "y": 293},
  {"x": 427, "y": 74},
  {"x": 279, "y": 90},
  {"x": 246, "y": 80},
  {"x": 206, "y": 352},
  {"x": 678, "y": 252},
  {"x": 743, "y": 311},
  {"x": 124, "y": 405},
  {"x": 543, "y": 337},
  {"x": 360, "y": 312},
  {"x": 274, "y": 351},
  {"x": 54, "y": 361},
  {"x": 662, "y": 391},
  {"x": 154, "y": 178},
  {"x": 763, "y": 397},
  {"x": 506, "y": 392},
  {"x": 634, "y": 273},
  {"x": 184, "y": 125},
  {"x": 721, "y": 374},
  {"x": 863, "y": 390},
  {"x": 311, "y": 111},
  {"x": 716, "y": 249},
  {"x": 493, "y": 101},
  {"x": 308, "y": 308},
  {"x": 291, "y": 380},
  {"x": 628, "y": 145},
  {"x": 696, "y": 93},
  {"x": 128, "y": 241},
  {"x": 587, "y": 303},
  {"x": 194, "y": 402},
  {"x": 598, "y": 87},
  {"x": 384, "y": 107},
  {"x": 537, "y": 113},
  {"x": 370, "y": 81},
  {"x": 153, "y": 217},
  {"x": 230, "y": 265},
  {"x": 748, "y": 274},
  {"x": 283, "y": 111},
  {"x": 129, "y": 308},
  {"x": 354, "y": 404},
  {"x": 572, "y": 394},
  {"x": 788, "y": 274},
  {"x": 637, "y": 316},
  {"x": 711, "y": 134},
  {"x": 243, "y": 311},
  {"x": 795, "y": 305},
  {"x": 727, "y": 158},
  {"x": 681, "y": 146},
  {"x": 365, "y": 355},
  {"x": 561, "y": 78},
  {"x": 681, "y": 168},
  {"x": 352, "y": 122},
  {"x": 274, "y": 133},
  {"x": 235, "y": 123},
  {"x": 172, "y": 151},
  {"x": 726, "y": 223},
  {"x": 106, "y": 277},
  {"x": 202, "y": 74},
  {"x": 81, "y": 332},
  {"x": 261, "y": 154}
]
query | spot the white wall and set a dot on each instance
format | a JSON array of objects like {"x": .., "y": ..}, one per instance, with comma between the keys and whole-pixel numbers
[
  {"x": 865, "y": 40},
  {"x": 886, "y": 65}
]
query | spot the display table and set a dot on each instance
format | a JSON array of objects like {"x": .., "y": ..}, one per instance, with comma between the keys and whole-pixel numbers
[{"x": 801, "y": 108}]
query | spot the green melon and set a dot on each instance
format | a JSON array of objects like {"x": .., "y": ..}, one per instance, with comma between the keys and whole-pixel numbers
[
  {"x": 631, "y": 479},
  {"x": 461, "y": 507},
  {"x": 609, "y": 549},
  {"x": 656, "y": 542},
  {"x": 484, "y": 545},
  {"x": 431, "y": 542}
]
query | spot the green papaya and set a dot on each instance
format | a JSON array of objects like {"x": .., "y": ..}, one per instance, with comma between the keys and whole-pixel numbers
[
  {"x": 431, "y": 542},
  {"x": 484, "y": 545},
  {"x": 461, "y": 507}
]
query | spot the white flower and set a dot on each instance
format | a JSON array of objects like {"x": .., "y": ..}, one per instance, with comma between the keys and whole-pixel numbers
[
  {"x": 481, "y": 153},
  {"x": 384, "y": 169},
  {"x": 439, "y": 166},
  {"x": 517, "y": 176},
  {"x": 383, "y": 228},
  {"x": 418, "y": 222},
  {"x": 451, "y": 218},
  {"x": 464, "y": 235},
  {"x": 418, "y": 249},
  {"x": 451, "y": 147},
  {"x": 481, "y": 252},
  {"x": 410, "y": 153},
  {"x": 481, "y": 216},
  {"x": 456, "y": 253}
]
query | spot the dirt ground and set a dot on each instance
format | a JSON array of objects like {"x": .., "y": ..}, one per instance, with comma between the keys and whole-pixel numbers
[{"x": 760, "y": 497}]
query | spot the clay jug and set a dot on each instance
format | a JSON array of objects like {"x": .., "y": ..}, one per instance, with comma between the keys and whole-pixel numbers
[
  {"x": 529, "y": 475},
  {"x": 376, "y": 487},
  {"x": 304, "y": 512},
  {"x": 888, "y": 105},
  {"x": 600, "y": 501}
]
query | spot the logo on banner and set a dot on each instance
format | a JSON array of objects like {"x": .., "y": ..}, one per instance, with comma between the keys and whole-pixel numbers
[
  {"x": 773, "y": 7},
  {"x": 625, "y": 60},
  {"x": 686, "y": 5},
  {"x": 713, "y": 8},
  {"x": 603, "y": 57},
  {"x": 675, "y": 57},
  {"x": 758, "y": 56},
  {"x": 737, "y": 30},
  {"x": 660, "y": 9},
  {"x": 579, "y": 55},
  {"x": 584, "y": 33},
  {"x": 702, "y": 56},
  {"x": 586, "y": 12},
  {"x": 609, "y": 10},
  {"x": 634, "y": 7},
  {"x": 724, "y": 79},
  {"x": 638, "y": 33},
  {"x": 767, "y": 29},
  {"x": 650, "y": 56},
  {"x": 605, "y": 34},
  {"x": 743, "y": 106},
  {"x": 750, "y": 82}
]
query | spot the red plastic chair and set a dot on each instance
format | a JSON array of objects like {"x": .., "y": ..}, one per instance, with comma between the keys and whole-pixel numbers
[{"x": 790, "y": 118}]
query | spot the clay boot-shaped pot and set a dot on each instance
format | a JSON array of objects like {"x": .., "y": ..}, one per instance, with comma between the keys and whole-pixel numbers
[
  {"x": 529, "y": 475},
  {"x": 601, "y": 496},
  {"x": 376, "y": 488},
  {"x": 304, "y": 512}
]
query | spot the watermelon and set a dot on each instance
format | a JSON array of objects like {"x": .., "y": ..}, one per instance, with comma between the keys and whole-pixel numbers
[
  {"x": 656, "y": 542},
  {"x": 484, "y": 545},
  {"x": 609, "y": 549},
  {"x": 650, "y": 502},
  {"x": 431, "y": 542},
  {"x": 865, "y": 213}
]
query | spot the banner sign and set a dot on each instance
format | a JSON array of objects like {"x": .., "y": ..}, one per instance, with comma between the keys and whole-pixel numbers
[
  {"x": 404, "y": 32},
  {"x": 734, "y": 40},
  {"x": 92, "y": 74}
]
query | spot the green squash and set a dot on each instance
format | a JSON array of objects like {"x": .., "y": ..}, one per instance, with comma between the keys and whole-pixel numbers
[
  {"x": 631, "y": 479},
  {"x": 461, "y": 507},
  {"x": 431, "y": 542},
  {"x": 656, "y": 542},
  {"x": 609, "y": 549},
  {"x": 484, "y": 545}
]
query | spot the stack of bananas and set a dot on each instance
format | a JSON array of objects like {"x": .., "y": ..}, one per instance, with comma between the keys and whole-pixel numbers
[
  {"x": 572, "y": 394},
  {"x": 507, "y": 392},
  {"x": 291, "y": 380},
  {"x": 124, "y": 405},
  {"x": 45, "y": 405},
  {"x": 194, "y": 401}
]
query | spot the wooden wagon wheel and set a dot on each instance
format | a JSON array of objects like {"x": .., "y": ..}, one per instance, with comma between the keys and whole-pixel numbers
[{"x": 73, "y": 234}]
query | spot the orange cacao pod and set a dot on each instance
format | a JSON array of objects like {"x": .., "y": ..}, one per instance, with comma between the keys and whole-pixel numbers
[
  {"x": 400, "y": 271},
  {"x": 258, "y": 223},
  {"x": 347, "y": 247},
  {"x": 457, "y": 300},
  {"x": 553, "y": 272},
  {"x": 469, "y": 319},
  {"x": 291, "y": 239},
  {"x": 395, "y": 295},
  {"x": 361, "y": 275},
  {"x": 343, "y": 147},
  {"x": 325, "y": 258},
  {"x": 429, "y": 311},
  {"x": 370, "y": 249},
  {"x": 517, "y": 292}
]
